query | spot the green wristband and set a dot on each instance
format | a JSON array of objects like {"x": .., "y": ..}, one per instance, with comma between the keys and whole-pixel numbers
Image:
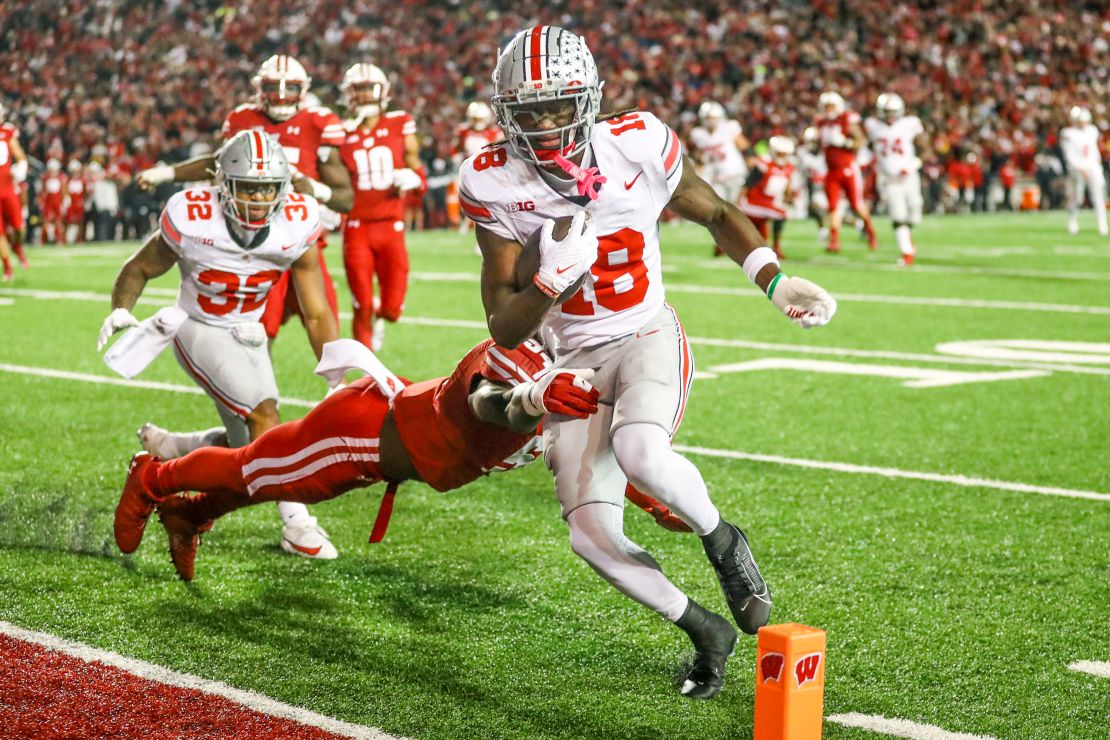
[{"x": 774, "y": 281}]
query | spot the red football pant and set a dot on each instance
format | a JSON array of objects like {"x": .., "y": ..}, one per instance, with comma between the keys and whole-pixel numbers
[
  {"x": 848, "y": 180},
  {"x": 332, "y": 450},
  {"x": 375, "y": 248},
  {"x": 11, "y": 211},
  {"x": 282, "y": 300},
  {"x": 52, "y": 218}
]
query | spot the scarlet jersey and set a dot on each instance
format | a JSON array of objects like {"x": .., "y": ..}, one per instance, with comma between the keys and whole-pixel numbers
[
  {"x": 371, "y": 156},
  {"x": 767, "y": 198},
  {"x": 469, "y": 141},
  {"x": 641, "y": 157},
  {"x": 837, "y": 157},
  {"x": 8, "y": 133},
  {"x": 301, "y": 136},
  {"x": 895, "y": 153},
  {"x": 53, "y": 188},
  {"x": 223, "y": 284},
  {"x": 448, "y": 445}
]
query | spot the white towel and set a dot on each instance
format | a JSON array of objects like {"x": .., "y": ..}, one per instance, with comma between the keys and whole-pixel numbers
[
  {"x": 343, "y": 355},
  {"x": 140, "y": 344}
]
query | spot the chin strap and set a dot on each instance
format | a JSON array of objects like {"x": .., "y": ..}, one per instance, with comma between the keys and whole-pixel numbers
[{"x": 589, "y": 180}]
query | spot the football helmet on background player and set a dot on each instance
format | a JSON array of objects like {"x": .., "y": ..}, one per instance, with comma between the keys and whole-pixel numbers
[
  {"x": 365, "y": 90},
  {"x": 280, "y": 84},
  {"x": 53, "y": 165},
  {"x": 248, "y": 165},
  {"x": 478, "y": 116},
  {"x": 1080, "y": 115},
  {"x": 890, "y": 107},
  {"x": 546, "y": 73},
  {"x": 782, "y": 148},
  {"x": 833, "y": 101},
  {"x": 710, "y": 114}
]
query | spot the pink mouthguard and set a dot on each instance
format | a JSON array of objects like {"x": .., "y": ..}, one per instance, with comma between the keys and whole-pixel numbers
[{"x": 586, "y": 178}]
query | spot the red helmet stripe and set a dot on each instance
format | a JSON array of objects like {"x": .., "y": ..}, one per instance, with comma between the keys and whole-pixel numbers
[
  {"x": 534, "y": 52},
  {"x": 257, "y": 147}
]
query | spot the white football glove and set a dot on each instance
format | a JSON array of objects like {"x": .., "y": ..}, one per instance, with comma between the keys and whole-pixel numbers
[
  {"x": 151, "y": 178},
  {"x": 407, "y": 179},
  {"x": 805, "y": 303},
  {"x": 836, "y": 138},
  {"x": 563, "y": 262},
  {"x": 330, "y": 219},
  {"x": 120, "y": 318},
  {"x": 249, "y": 333}
]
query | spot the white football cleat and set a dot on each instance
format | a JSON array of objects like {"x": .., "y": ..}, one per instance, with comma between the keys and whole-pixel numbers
[{"x": 307, "y": 539}]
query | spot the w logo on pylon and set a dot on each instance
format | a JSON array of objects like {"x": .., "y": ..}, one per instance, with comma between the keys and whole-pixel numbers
[
  {"x": 770, "y": 666},
  {"x": 806, "y": 668}
]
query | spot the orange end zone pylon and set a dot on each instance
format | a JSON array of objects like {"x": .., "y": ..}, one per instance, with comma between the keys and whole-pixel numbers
[{"x": 789, "y": 682}]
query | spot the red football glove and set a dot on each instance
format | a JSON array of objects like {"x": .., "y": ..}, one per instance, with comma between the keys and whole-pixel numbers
[
  {"x": 567, "y": 392},
  {"x": 663, "y": 516}
]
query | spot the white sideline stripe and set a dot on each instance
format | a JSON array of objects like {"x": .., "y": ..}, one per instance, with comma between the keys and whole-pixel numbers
[
  {"x": 45, "y": 372},
  {"x": 900, "y": 727},
  {"x": 1100, "y": 668},
  {"x": 958, "y": 480},
  {"x": 149, "y": 671},
  {"x": 674, "y": 288},
  {"x": 839, "y": 467}
]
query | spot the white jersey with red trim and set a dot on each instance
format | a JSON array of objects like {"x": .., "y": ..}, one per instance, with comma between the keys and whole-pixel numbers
[
  {"x": 718, "y": 148},
  {"x": 470, "y": 141},
  {"x": 1080, "y": 147},
  {"x": 223, "y": 284},
  {"x": 892, "y": 143},
  {"x": 813, "y": 166},
  {"x": 641, "y": 159}
]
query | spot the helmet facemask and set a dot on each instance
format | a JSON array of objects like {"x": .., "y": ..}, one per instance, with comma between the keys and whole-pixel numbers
[
  {"x": 281, "y": 98},
  {"x": 252, "y": 176},
  {"x": 252, "y": 203},
  {"x": 540, "y": 127},
  {"x": 366, "y": 99}
]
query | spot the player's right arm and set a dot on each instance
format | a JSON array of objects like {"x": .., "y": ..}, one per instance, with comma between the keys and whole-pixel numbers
[
  {"x": 513, "y": 314},
  {"x": 154, "y": 258},
  {"x": 520, "y": 408}
]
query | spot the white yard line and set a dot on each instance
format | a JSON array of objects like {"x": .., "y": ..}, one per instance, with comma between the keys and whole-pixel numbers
[
  {"x": 839, "y": 467},
  {"x": 899, "y": 727},
  {"x": 1099, "y": 668},
  {"x": 151, "y": 672},
  {"x": 832, "y": 262},
  {"x": 959, "y": 480}
]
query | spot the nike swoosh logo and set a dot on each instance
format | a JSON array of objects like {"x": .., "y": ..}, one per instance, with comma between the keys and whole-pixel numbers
[
  {"x": 305, "y": 550},
  {"x": 640, "y": 335},
  {"x": 628, "y": 185},
  {"x": 561, "y": 270},
  {"x": 286, "y": 246}
]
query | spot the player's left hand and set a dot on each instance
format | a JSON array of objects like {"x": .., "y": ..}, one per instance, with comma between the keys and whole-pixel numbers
[
  {"x": 806, "y": 304},
  {"x": 407, "y": 179},
  {"x": 565, "y": 391},
  {"x": 120, "y": 318},
  {"x": 301, "y": 182}
]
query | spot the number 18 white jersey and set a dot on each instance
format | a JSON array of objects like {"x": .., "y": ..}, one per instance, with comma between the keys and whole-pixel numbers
[
  {"x": 641, "y": 159},
  {"x": 223, "y": 284}
]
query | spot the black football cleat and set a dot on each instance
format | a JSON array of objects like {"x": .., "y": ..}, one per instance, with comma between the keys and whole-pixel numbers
[
  {"x": 714, "y": 640},
  {"x": 746, "y": 592}
]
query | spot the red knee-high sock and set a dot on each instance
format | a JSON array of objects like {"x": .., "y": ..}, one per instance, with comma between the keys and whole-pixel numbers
[{"x": 209, "y": 469}]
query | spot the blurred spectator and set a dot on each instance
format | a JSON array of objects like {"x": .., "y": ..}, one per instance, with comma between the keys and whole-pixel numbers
[{"x": 105, "y": 202}]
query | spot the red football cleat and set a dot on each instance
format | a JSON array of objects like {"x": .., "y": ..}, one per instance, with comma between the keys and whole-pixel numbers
[
  {"x": 183, "y": 535},
  {"x": 135, "y": 504},
  {"x": 906, "y": 260},
  {"x": 833, "y": 248}
]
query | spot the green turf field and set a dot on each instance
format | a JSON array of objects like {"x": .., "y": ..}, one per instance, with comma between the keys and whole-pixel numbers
[{"x": 959, "y": 606}]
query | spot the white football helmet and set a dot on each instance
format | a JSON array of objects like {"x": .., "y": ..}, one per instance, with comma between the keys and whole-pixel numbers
[
  {"x": 782, "y": 147},
  {"x": 365, "y": 90},
  {"x": 831, "y": 100},
  {"x": 546, "y": 73},
  {"x": 890, "y": 107},
  {"x": 478, "y": 115},
  {"x": 1080, "y": 115},
  {"x": 279, "y": 85},
  {"x": 74, "y": 167},
  {"x": 53, "y": 165},
  {"x": 809, "y": 136},
  {"x": 250, "y": 163},
  {"x": 711, "y": 113}
]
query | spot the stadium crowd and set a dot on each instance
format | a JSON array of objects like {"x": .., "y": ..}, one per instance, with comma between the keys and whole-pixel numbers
[{"x": 126, "y": 83}]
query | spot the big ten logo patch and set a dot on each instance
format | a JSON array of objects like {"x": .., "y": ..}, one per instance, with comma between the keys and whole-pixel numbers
[{"x": 523, "y": 205}]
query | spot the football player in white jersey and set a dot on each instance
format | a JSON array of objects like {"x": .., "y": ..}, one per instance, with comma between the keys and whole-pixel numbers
[
  {"x": 719, "y": 145},
  {"x": 232, "y": 241},
  {"x": 615, "y": 176},
  {"x": 1079, "y": 142},
  {"x": 896, "y": 140}
]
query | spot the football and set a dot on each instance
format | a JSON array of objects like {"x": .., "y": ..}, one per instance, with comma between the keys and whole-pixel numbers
[{"x": 529, "y": 262}]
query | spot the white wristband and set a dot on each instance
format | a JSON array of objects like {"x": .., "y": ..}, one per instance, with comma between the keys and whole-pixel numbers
[
  {"x": 320, "y": 191},
  {"x": 757, "y": 259},
  {"x": 159, "y": 174}
]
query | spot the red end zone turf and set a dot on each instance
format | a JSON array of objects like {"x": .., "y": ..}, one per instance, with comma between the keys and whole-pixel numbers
[{"x": 47, "y": 694}]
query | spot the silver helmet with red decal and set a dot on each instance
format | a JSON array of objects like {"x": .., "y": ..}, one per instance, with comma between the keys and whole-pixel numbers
[
  {"x": 252, "y": 177},
  {"x": 546, "y": 93}
]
